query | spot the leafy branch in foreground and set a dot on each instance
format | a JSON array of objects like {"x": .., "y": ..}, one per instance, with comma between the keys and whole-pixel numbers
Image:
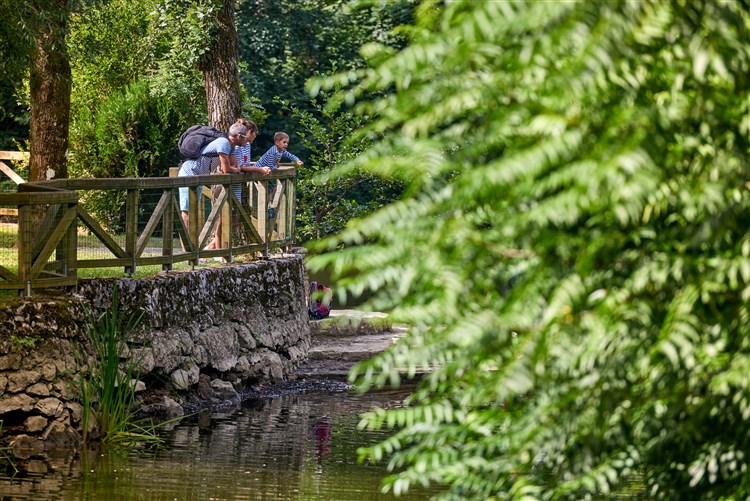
[{"x": 574, "y": 254}]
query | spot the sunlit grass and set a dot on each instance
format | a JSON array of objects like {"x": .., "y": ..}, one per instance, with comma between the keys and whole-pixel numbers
[{"x": 89, "y": 246}]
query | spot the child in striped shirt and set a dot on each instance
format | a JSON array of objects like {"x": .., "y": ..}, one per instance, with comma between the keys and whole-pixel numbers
[{"x": 271, "y": 159}]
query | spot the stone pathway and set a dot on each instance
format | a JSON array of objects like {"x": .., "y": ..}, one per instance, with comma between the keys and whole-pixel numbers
[{"x": 344, "y": 339}]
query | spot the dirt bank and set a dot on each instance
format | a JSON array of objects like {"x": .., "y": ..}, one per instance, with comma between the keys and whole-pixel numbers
[{"x": 347, "y": 337}]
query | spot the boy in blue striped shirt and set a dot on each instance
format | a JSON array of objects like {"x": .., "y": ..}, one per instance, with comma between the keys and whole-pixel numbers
[{"x": 271, "y": 159}]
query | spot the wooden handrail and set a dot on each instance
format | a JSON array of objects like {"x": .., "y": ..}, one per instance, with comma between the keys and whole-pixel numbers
[{"x": 48, "y": 244}]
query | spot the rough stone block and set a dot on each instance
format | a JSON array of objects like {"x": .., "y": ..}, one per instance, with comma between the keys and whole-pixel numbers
[
  {"x": 50, "y": 406},
  {"x": 19, "y": 381},
  {"x": 34, "y": 424}
]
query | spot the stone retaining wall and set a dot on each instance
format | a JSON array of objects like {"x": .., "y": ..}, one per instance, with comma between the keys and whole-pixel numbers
[{"x": 209, "y": 332}]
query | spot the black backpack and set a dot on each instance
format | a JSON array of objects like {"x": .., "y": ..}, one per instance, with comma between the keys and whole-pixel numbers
[{"x": 195, "y": 138}]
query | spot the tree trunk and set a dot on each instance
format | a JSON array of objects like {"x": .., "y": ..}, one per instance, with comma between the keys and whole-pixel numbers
[
  {"x": 221, "y": 76},
  {"x": 49, "y": 85}
]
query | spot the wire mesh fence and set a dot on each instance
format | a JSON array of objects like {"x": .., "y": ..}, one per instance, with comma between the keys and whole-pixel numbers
[{"x": 121, "y": 226}]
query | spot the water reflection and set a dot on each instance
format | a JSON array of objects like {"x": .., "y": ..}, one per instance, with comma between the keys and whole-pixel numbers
[{"x": 300, "y": 446}]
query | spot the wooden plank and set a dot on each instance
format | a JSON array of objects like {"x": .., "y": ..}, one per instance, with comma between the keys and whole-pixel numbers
[
  {"x": 246, "y": 221},
  {"x": 213, "y": 218},
  {"x": 41, "y": 235},
  {"x": 8, "y": 212},
  {"x": 38, "y": 197},
  {"x": 152, "y": 223},
  {"x": 149, "y": 183},
  {"x": 8, "y": 171},
  {"x": 262, "y": 208},
  {"x": 293, "y": 210},
  {"x": 246, "y": 249},
  {"x": 40, "y": 284},
  {"x": 167, "y": 223},
  {"x": 281, "y": 212},
  {"x": 193, "y": 215},
  {"x": 99, "y": 232},
  {"x": 54, "y": 238},
  {"x": 71, "y": 247},
  {"x": 105, "y": 262},
  {"x": 12, "y": 155},
  {"x": 25, "y": 239},
  {"x": 131, "y": 222},
  {"x": 6, "y": 274},
  {"x": 182, "y": 231},
  {"x": 142, "y": 261},
  {"x": 225, "y": 239}
]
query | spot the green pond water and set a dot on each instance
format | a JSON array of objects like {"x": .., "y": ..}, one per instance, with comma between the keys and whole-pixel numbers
[{"x": 296, "y": 446}]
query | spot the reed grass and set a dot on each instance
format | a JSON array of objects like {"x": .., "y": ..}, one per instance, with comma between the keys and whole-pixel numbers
[
  {"x": 6, "y": 455},
  {"x": 107, "y": 384}
]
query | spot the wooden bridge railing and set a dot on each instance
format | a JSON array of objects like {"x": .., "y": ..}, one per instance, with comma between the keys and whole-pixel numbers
[{"x": 51, "y": 220}]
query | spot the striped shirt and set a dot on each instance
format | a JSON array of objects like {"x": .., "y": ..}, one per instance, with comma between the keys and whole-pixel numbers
[
  {"x": 273, "y": 155},
  {"x": 242, "y": 153}
]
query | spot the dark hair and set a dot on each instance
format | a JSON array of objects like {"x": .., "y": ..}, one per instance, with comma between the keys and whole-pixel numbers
[{"x": 251, "y": 127}]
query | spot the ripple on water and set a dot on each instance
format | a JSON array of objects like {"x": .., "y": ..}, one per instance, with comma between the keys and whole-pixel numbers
[{"x": 297, "y": 446}]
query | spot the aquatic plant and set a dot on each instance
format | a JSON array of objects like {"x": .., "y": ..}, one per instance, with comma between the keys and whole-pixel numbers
[
  {"x": 6, "y": 458},
  {"x": 107, "y": 384}
]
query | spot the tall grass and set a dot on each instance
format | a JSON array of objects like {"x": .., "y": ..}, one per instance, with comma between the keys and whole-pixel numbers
[
  {"x": 5, "y": 455},
  {"x": 107, "y": 384}
]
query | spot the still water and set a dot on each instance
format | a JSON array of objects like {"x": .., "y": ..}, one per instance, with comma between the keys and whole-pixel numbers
[{"x": 297, "y": 446}]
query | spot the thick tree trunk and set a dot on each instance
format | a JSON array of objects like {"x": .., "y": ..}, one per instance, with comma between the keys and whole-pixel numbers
[
  {"x": 49, "y": 85},
  {"x": 221, "y": 76}
]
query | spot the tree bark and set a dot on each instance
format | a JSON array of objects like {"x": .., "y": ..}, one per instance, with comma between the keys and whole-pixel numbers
[
  {"x": 220, "y": 72},
  {"x": 49, "y": 86}
]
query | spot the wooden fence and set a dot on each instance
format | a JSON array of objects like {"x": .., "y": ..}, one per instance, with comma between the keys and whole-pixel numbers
[{"x": 57, "y": 235}]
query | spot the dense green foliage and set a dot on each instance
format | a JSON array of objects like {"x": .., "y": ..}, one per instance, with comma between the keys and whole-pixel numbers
[
  {"x": 21, "y": 23},
  {"x": 14, "y": 119},
  {"x": 137, "y": 86},
  {"x": 283, "y": 43},
  {"x": 574, "y": 256},
  {"x": 134, "y": 89},
  {"x": 324, "y": 206}
]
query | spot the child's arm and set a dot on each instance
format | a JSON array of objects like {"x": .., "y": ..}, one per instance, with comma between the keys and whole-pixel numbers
[{"x": 293, "y": 157}]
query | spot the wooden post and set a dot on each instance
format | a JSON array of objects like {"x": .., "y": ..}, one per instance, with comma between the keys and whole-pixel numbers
[
  {"x": 263, "y": 212},
  {"x": 193, "y": 214},
  {"x": 25, "y": 243},
  {"x": 70, "y": 258},
  {"x": 225, "y": 241},
  {"x": 167, "y": 232},
  {"x": 281, "y": 212},
  {"x": 293, "y": 208},
  {"x": 131, "y": 228}
]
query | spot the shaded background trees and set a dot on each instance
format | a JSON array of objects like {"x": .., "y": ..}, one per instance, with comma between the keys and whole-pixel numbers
[
  {"x": 33, "y": 47},
  {"x": 142, "y": 71}
]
